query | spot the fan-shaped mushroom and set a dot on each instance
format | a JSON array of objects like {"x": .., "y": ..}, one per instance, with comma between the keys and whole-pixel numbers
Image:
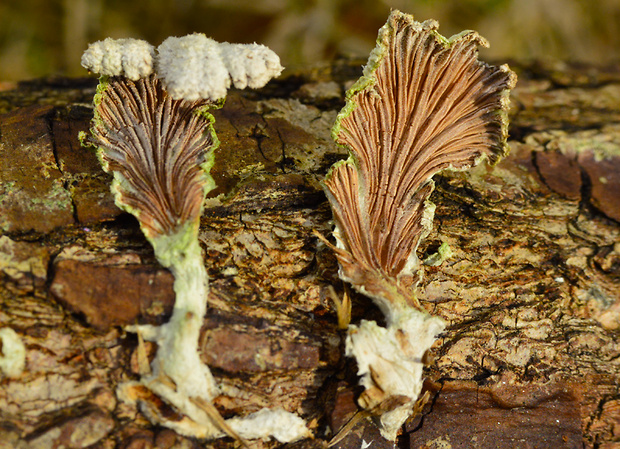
[
  {"x": 424, "y": 104},
  {"x": 159, "y": 147}
]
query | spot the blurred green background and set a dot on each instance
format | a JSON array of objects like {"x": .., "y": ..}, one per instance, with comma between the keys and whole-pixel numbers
[{"x": 47, "y": 37}]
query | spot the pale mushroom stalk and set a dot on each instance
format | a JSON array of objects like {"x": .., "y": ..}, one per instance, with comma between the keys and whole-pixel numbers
[
  {"x": 159, "y": 147},
  {"x": 178, "y": 356},
  {"x": 424, "y": 104},
  {"x": 160, "y": 152}
]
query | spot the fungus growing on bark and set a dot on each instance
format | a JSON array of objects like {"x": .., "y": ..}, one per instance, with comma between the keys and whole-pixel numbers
[
  {"x": 424, "y": 104},
  {"x": 160, "y": 150}
]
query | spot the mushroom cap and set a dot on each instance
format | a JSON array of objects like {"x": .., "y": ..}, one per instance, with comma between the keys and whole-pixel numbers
[
  {"x": 131, "y": 58},
  {"x": 194, "y": 67},
  {"x": 191, "y": 67},
  {"x": 160, "y": 151},
  {"x": 424, "y": 104}
]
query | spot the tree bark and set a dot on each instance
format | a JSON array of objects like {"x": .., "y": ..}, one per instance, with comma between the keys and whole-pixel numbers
[{"x": 531, "y": 290}]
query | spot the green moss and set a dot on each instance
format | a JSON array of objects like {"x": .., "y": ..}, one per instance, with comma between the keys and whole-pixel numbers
[
  {"x": 444, "y": 252},
  {"x": 209, "y": 161},
  {"x": 57, "y": 198}
]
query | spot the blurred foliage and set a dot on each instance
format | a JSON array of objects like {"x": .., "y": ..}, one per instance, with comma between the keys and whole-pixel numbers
[{"x": 39, "y": 38}]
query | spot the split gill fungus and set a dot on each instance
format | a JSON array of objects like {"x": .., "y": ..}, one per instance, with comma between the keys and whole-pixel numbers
[
  {"x": 423, "y": 105},
  {"x": 153, "y": 132}
]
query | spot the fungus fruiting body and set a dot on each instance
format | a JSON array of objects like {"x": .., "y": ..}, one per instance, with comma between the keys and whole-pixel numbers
[
  {"x": 159, "y": 147},
  {"x": 215, "y": 66},
  {"x": 131, "y": 58},
  {"x": 160, "y": 152},
  {"x": 424, "y": 104}
]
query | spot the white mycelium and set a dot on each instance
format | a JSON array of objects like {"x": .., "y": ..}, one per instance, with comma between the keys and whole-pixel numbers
[{"x": 13, "y": 354}]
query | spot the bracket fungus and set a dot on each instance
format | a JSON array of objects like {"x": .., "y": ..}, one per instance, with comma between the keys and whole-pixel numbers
[
  {"x": 424, "y": 104},
  {"x": 159, "y": 146}
]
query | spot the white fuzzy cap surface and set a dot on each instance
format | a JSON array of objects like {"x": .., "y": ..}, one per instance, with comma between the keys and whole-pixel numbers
[
  {"x": 194, "y": 66},
  {"x": 250, "y": 65},
  {"x": 191, "y": 68},
  {"x": 131, "y": 58}
]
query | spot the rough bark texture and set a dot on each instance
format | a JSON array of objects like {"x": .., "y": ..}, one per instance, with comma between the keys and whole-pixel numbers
[{"x": 531, "y": 291}]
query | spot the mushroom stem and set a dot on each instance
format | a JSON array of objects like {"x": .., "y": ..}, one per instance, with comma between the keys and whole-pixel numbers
[
  {"x": 390, "y": 363},
  {"x": 178, "y": 356},
  {"x": 424, "y": 104},
  {"x": 178, "y": 375}
]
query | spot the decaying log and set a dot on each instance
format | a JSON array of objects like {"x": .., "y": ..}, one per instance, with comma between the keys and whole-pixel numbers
[{"x": 531, "y": 289}]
